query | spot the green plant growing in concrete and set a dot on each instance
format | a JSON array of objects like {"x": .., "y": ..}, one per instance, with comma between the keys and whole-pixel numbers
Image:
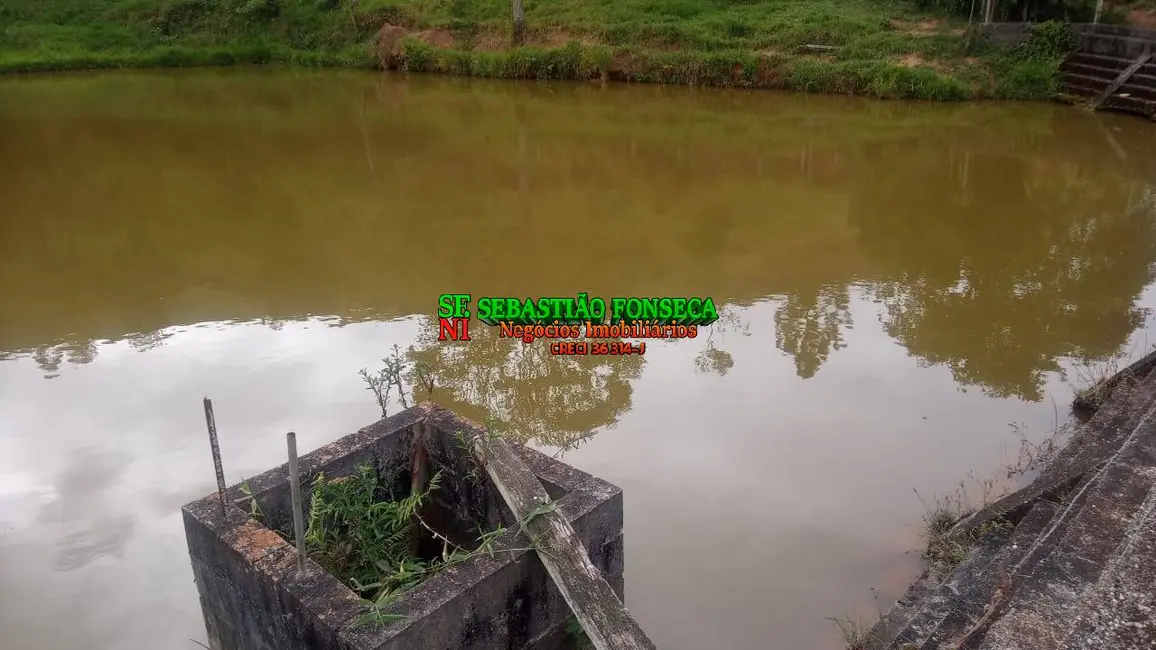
[
  {"x": 997, "y": 525},
  {"x": 406, "y": 578},
  {"x": 939, "y": 518},
  {"x": 254, "y": 508},
  {"x": 365, "y": 542},
  {"x": 371, "y": 544},
  {"x": 478, "y": 448}
]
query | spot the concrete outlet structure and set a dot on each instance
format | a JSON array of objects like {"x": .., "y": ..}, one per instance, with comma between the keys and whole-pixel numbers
[{"x": 254, "y": 598}]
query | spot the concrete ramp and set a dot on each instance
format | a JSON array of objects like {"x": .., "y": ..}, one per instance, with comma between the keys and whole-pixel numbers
[{"x": 1071, "y": 564}]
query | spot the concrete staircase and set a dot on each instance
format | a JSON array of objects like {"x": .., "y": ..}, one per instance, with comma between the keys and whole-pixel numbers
[
  {"x": 1103, "y": 53},
  {"x": 1074, "y": 566}
]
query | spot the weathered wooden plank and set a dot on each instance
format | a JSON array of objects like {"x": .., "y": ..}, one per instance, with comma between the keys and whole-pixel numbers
[
  {"x": 602, "y": 615},
  {"x": 1121, "y": 80}
]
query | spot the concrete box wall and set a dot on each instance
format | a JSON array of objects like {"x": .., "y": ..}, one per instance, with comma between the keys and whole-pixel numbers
[
  {"x": 253, "y": 598},
  {"x": 1108, "y": 40}
]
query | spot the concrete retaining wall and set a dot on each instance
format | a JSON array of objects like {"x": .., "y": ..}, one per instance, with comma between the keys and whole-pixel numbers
[
  {"x": 1109, "y": 40},
  {"x": 253, "y": 598},
  {"x": 1006, "y": 34}
]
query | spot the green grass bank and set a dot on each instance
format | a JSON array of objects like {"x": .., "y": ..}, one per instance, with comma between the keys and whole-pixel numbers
[{"x": 885, "y": 48}]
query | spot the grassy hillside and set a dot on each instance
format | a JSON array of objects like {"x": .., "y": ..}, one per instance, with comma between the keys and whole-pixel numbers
[{"x": 885, "y": 48}]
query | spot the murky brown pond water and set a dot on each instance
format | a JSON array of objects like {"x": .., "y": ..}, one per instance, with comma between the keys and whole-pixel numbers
[{"x": 901, "y": 282}]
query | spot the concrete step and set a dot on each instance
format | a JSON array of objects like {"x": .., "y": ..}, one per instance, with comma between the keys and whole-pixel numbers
[
  {"x": 1082, "y": 81},
  {"x": 956, "y": 611},
  {"x": 1142, "y": 92},
  {"x": 968, "y": 581},
  {"x": 1122, "y": 609},
  {"x": 1088, "y": 448},
  {"x": 1049, "y": 596},
  {"x": 1077, "y": 90},
  {"x": 971, "y": 590},
  {"x": 884, "y": 633},
  {"x": 939, "y": 599},
  {"x": 939, "y": 616},
  {"x": 1143, "y": 88},
  {"x": 931, "y": 600},
  {"x": 1115, "y": 30},
  {"x": 1132, "y": 105},
  {"x": 1090, "y": 70},
  {"x": 1099, "y": 61},
  {"x": 1116, "y": 46}
]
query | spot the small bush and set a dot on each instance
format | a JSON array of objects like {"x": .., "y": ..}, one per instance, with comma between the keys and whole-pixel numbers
[
  {"x": 1030, "y": 79},
  {"x": 1048, "y": 41}
]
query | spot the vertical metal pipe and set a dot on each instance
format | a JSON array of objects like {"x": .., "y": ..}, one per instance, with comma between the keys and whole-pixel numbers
[
  {"x": 212, "y": 424},
  {"x": 295, "y": 495}
]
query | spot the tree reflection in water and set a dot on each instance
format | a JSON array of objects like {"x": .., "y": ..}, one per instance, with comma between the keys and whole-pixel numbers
[
  {"x": 809, "y": 326},
  {"x": 537, "y": 397},
  {"x": 998, "y": 267},
  {"x": 713, "y": 359}
]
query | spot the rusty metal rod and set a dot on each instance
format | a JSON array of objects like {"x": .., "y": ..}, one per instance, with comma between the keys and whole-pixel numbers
[
  {"x": 295, "y": 495},
  {"x": 212, "y": 424}
]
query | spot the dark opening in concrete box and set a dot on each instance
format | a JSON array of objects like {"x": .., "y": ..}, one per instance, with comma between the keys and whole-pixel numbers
[{"x": 253, "y": 597}]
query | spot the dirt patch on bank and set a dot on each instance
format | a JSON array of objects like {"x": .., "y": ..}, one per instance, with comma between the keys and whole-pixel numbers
[
  {"x": 491, "y": 42},
  {"x": 560, "y": 38},
  {"x": 927, "y": 27},
  {"x": 437, "y": 38},
  {"x": 1145, "y": 18},
  {"x": 388, "y": 44},
  {"x": 622, "y": 66},
  {"x": 917, "y": 61}
]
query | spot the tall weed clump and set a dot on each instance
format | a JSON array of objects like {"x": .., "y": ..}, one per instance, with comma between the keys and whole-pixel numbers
[
  {"x": 1031, "y": 70},
  {"x": 362, "y": 539}
]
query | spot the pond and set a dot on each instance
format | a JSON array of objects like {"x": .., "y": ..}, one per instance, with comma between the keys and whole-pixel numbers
[{"x": 907, "y": 292}]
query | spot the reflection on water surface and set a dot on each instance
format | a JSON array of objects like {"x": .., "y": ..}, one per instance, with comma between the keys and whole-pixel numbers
[{"x": 898, "y": 283}]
